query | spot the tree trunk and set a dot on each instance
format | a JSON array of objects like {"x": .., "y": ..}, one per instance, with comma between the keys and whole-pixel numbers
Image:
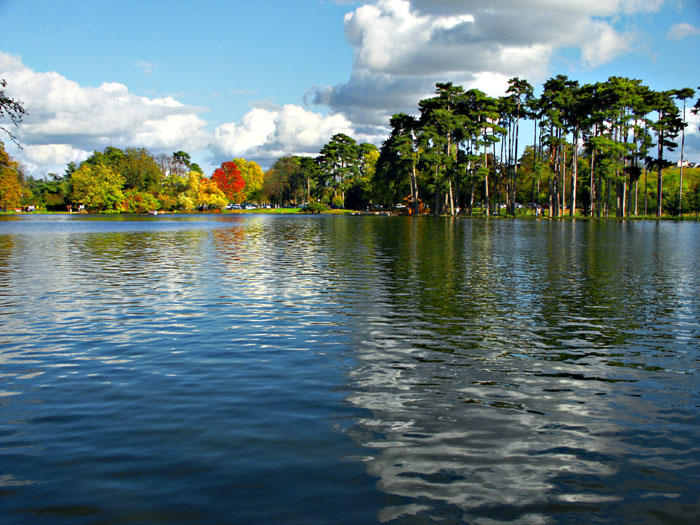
[
  {"x": 414, "y": 190},
  {"x": 646, "y": 193},
  {"x": 436, "y": 200},
  {"x": 599, "y": 196},
  {"x": 514, "y": 182},
  {"x": 562, "y": 211},
  {"x": 680, "y": 185},
  {"x": 451, "y": 198},
  {"x": 592, "y": 183},
  {"x": 574, "y": 176},
  {"x": 471, "y": 196},
  {"x": 660, "y": 179}
]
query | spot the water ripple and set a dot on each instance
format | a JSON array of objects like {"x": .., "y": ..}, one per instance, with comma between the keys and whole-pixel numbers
[{"x": 348, "y": 370}]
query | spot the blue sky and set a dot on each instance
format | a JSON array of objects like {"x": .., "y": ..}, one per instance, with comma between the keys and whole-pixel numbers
[{"x": 225, "y": 79}]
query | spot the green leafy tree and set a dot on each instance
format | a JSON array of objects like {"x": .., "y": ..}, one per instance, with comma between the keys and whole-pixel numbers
[
  {"x": 519, "y": 93},
  {"x": 276, "y": 183},
  {"x": 181, "y": 162},
  {"x": 140, "y": 170},
  {"x": 310, "y": 171},
  {"x": 397, "y": 164},
  {"x": 359, "y": 192},
  {"x": 136, "y": 201},
  {"x": 97, "y": 187},
  {"x": 339, "y": 159},
  {"x": 50, "y": 193},
  {"x": 666, "y": 126},
  {"x": 481, "y": 130},
  {"x": 136, "y": 165},
  {"x": 441, "y": 127},
  {"x": 682, "y": 94}
]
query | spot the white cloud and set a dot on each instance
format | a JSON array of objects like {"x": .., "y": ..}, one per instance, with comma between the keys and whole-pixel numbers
[
  {"x": 693, "y": 120},
  {"x": 51, "y": 157},
  {"x": 605, "y": 44},
  {"x": 266, "y": 134},
  {"x": 682, "y": 30},
  {"x": 146, "y": 67},
  {"x": 65, "y": 118},
  {"x": 254, "y": 130},
  {"x": 403, "y": 47},
  {"x": 404, "y": 37},
  {"x": 67, "y": 121}
]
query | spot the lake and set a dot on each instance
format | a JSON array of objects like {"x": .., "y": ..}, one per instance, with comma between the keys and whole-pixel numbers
[{"x": 341, "y": 369}]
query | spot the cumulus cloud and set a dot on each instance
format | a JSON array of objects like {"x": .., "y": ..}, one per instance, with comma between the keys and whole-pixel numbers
[
  {"x": 66, "y": 120},
  {"x": 692, "y": 137},
  {"x": 682, "y": 30},
  {"x": 403, "y": 47},
  {"x": 605, "y": 45},
  {"x": 693, "y": 121},
  {"x": 54, "y": 156},
  {"x": 265, "y": 134}
]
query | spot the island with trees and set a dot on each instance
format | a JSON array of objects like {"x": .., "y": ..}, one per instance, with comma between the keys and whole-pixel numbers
[{"x": 596, "y": 150}]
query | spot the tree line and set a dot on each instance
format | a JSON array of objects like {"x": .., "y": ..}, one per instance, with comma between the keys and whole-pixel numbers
[
  {"x": 593, "y": 149},
  {"x": 130, "y": 180}
]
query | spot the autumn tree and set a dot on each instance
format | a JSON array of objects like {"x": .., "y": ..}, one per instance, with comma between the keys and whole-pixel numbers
[
  {"x": 10, "y": 182},
  {"x": 138, "y": 167},
  {"x": 210, "y": 195},
  {"x": 253, "y": 177},
  {"x": 98, "y": 187},
  {"x": 229, "y": 180},
  {"x": 201, "y": 192}
]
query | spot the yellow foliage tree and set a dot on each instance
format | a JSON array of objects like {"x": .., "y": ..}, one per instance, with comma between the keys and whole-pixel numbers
[
  {"x": 97, "y": 187},
  {"x": 10, "y": 185},
  {"x": 210, "y": 196},
  {"x": 253, "y": 176},
  {"x": 201, "y": 192}
]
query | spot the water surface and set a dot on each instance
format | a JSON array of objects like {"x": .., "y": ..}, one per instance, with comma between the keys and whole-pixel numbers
[{"x": 292, "y": 369}]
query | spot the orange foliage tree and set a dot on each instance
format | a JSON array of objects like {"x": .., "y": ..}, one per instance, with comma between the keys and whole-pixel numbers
[{"x": 230, "y": 181}]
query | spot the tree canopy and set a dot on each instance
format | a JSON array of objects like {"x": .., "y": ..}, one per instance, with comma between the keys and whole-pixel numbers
[{"x": 596, "y": 149}]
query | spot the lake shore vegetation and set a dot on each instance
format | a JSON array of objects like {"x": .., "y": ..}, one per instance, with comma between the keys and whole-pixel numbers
[{"x": 595, "y": 150}]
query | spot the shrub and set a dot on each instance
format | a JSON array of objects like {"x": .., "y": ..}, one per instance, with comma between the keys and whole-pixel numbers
[{"x": 313, "y": 207}]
